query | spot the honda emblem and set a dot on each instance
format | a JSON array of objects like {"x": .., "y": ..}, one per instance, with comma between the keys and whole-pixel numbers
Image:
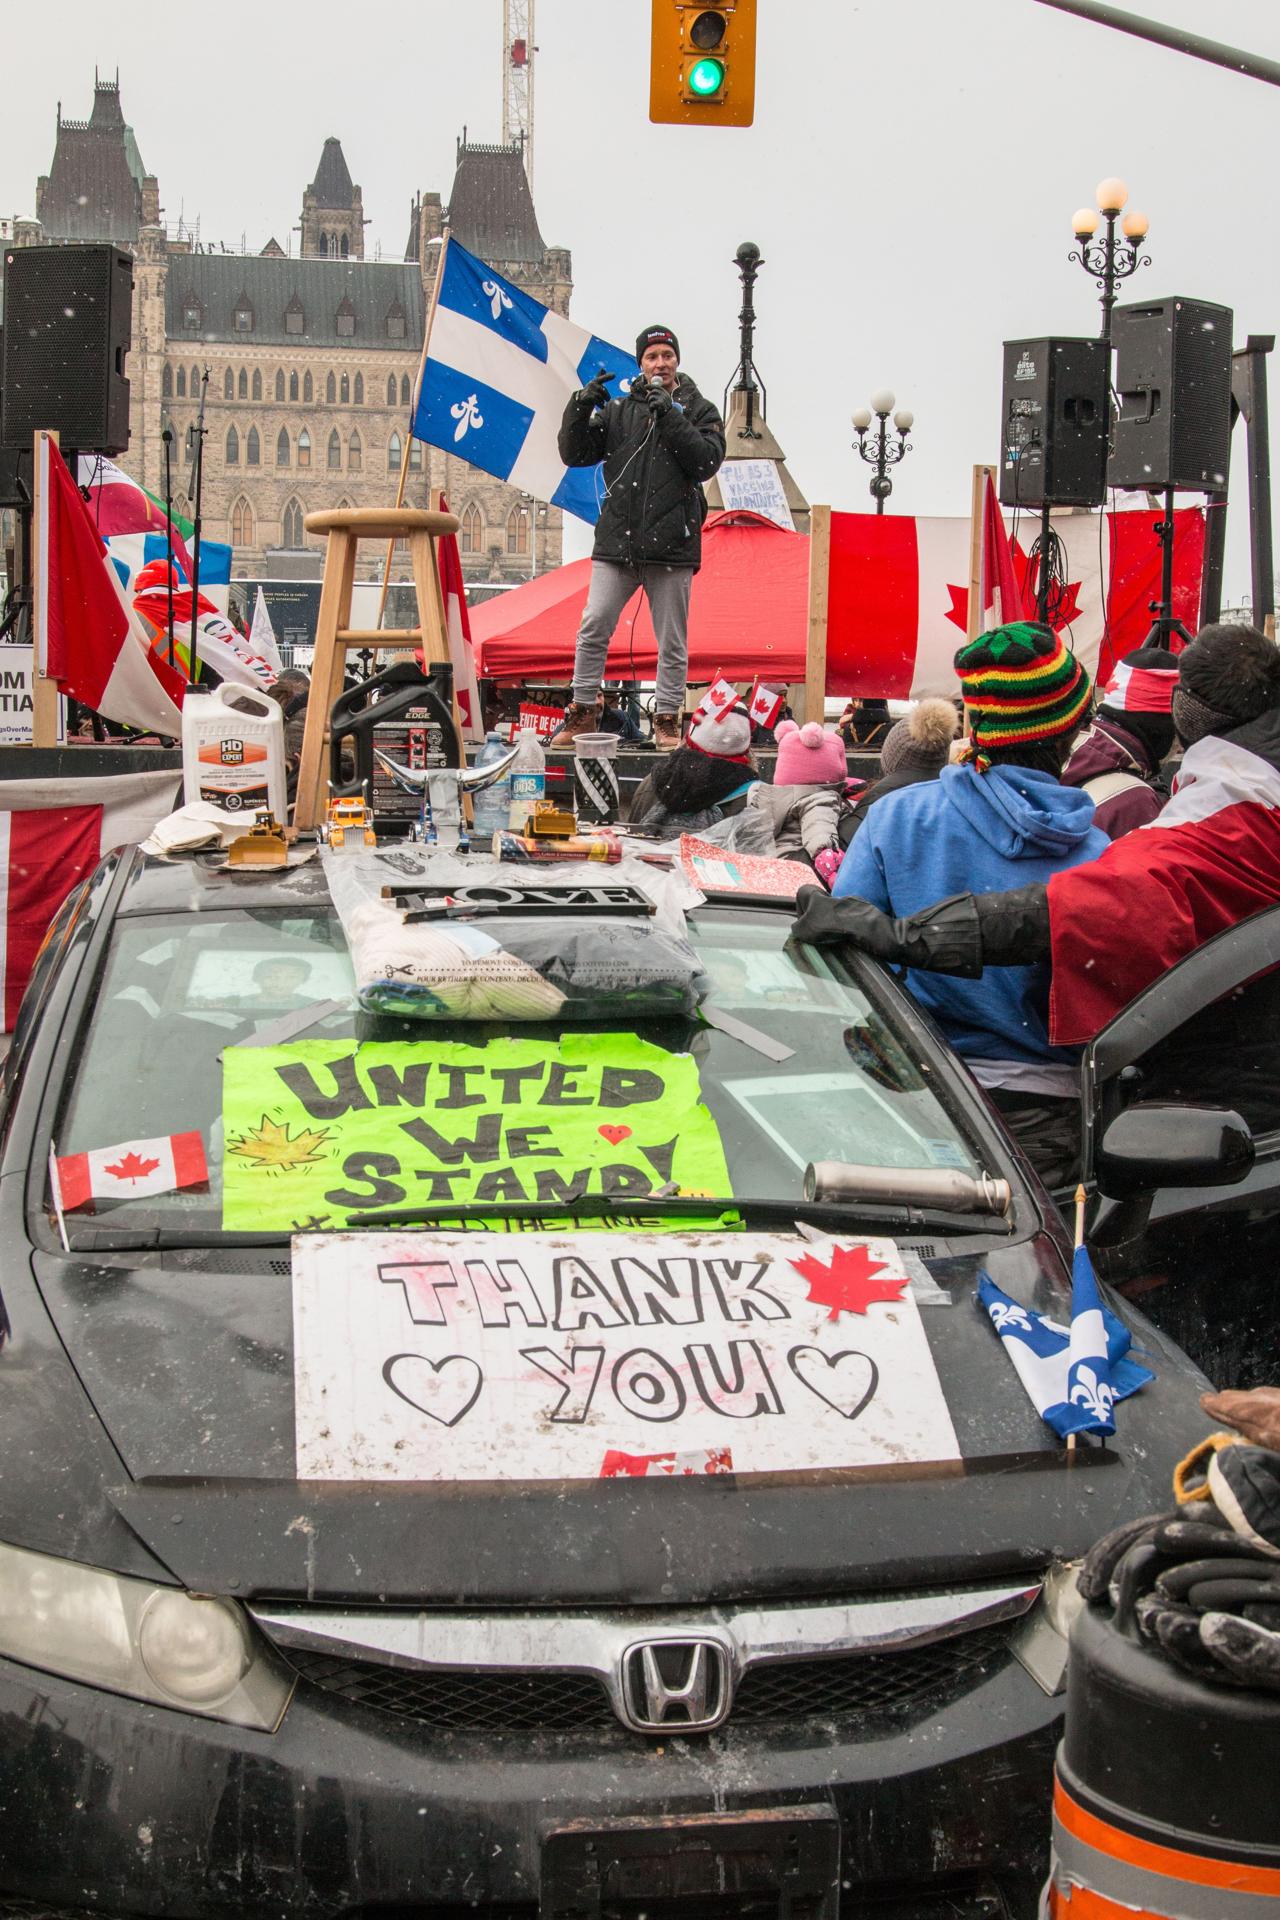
[{"x": 675, "y": 1686}]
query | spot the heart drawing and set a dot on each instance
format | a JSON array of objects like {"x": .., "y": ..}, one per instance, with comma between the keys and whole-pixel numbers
[
  {"x": 846, "y": 1381},
  {"x": 614, "y": 1135},
  {"x": 445, "y": 1390}
]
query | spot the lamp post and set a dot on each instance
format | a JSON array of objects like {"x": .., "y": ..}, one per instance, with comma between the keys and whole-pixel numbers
[
  {"x": 881, "y": 454},
  {"x": 1113, "y": 257}
]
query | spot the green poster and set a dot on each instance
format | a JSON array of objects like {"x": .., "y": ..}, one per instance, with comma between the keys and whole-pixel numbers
[{"x": 318, "y": 1130}]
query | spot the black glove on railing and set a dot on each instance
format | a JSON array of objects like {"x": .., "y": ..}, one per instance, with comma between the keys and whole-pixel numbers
[{"x": 958, "y": 936}]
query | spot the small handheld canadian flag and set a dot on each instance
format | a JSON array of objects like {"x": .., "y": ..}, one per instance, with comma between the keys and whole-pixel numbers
[
  {"x": 765, "y": 704},
  {"x": 719, "y": 698},
  {"x": 132, "y": 1171}
]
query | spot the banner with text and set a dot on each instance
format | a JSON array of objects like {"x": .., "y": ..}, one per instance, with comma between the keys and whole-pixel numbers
[
  {"x": 317, "y": 1130},
  {"x": 475, "y": 1357}
]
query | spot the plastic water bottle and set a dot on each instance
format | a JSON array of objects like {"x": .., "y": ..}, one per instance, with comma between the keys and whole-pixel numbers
[
  {"x": 492, "y": 805},
  {"x": 528, "y": 779}
]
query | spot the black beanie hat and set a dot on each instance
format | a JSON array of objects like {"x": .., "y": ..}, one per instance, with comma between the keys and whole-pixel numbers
[{"x": 656, "y": 337}]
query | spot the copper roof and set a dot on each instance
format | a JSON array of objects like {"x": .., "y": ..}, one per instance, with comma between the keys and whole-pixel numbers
[
  {"x": 491, "y": 208},
  {"x": 94, "y": 188}
]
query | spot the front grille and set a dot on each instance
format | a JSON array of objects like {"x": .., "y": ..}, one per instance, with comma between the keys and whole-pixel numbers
[{"x": 552, "y": 1701}]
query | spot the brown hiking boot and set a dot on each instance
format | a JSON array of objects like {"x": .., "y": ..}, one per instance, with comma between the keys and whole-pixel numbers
[
  {"x": 577, "y": 720},
  {"x": 667, "y": 732}
]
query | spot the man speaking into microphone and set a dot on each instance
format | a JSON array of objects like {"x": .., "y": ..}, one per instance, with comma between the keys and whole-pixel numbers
[{"x": 658, "y": 444}]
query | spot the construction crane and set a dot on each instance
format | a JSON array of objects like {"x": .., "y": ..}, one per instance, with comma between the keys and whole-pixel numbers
[{"x": 517, "y": 77}]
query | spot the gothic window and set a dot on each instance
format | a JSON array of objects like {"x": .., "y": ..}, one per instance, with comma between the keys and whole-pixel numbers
[
  {"x": 279, "y": 385},
  {"x": 244, "y": 383},
  {"x": 252, "y": 451},
  {"x": 335, "y": 451},
  {"x": 257, "y": 384},
  {"x": 243, "y": 317},
  {"x": 291, "y": 528},
  {"x": 242, "y": 523},
  {"x": 282, "y": 447},
  {"x": 294, "y": 318},
  {"x": 228, "y": 385},
  {"x": 345, "y": 320},
  {"x": 355, "y": 453},
  {"x": 293, "y": 384},
  {"x": 358, "y": 390},
  {"x": 166, "y": 384},
  {"x": 304, "y": 448},
  {"x": 404, "y": 390},
  {"x": 192, "y": 313},
  {"x": 394, "y": 451},
  {"x": 331, "y": 391},
  {"x": 195, "y": 381},
  {"x": 345, "y": 246},
  {"x": 233, "y": 447},
  {"x": 395, "y": 321},
  {"x": 182, "y": 383},
  {"x": 518, "y": 530},
  {"x": 307, "y": 389},
  {"x": 344, "y": 390},
  {"x": 391, "y": 389},
  {"x": 415, "y": 455},
  {"x": 471, "y": 539}
]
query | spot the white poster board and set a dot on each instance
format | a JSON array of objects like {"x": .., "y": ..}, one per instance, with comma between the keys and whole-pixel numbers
[
  {"x": 757, "y": 486},
  {"x": 16, "y": 707},
  {"x": 477, "y": 1356}
]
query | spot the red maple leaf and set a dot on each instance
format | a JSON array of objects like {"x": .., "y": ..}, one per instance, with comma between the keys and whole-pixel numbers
[
  {"x": 132, "y": 1166},
  {"x": 849, "y": 1284},
  {"x": 1026, "y": 572}
]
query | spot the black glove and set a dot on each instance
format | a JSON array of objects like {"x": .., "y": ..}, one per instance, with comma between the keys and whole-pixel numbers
[
  {"x": 660, "y": 402},
  {"x": 942, "y": 939},
  {"x": 594, "y": 394}
]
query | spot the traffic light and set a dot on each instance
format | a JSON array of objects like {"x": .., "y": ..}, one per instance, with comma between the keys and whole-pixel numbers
[{"x": 703, "y": 70}]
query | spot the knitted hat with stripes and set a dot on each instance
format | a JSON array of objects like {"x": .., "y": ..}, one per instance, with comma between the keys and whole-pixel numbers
[{"x": 1020, "y": 685}]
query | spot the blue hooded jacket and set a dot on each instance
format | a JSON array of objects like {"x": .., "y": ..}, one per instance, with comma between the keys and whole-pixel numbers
[{"x": 971, "y": 832}]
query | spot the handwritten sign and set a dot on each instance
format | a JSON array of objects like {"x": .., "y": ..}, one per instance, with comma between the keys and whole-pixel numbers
[
  {"x": 319, "y": 1130},
  {"x": 755, "y": 485},
  {"x": 476, "y": 1357}
]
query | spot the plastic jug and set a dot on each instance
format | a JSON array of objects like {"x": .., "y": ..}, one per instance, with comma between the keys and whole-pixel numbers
[
  {"x": 233, "y": 750},
  {"x": 492, "y": 805},
  {"x": 528, "y": 779}
]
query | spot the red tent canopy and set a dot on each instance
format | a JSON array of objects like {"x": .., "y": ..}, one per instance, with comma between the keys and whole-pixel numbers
[{"x": 748, "y": 614}]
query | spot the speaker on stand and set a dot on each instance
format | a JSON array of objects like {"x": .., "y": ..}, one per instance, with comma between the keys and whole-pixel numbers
[
  {"x": 1172, "y": 430},
  {"x": 68, "y": 327},
  {"x": 1053, "y": 438}
]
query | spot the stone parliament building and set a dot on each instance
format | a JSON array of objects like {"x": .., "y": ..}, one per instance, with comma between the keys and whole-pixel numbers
[{"x": 311, "y": 357}]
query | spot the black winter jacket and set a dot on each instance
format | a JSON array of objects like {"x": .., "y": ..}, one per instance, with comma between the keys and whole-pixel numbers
[{"x": 653, "y": 506}]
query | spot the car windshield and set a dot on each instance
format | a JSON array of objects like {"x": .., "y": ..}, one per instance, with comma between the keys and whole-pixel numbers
[{"x": 230, "y": 1046}]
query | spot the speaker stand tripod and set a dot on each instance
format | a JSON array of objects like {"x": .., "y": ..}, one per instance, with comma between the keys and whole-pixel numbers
[{"x": 1166, "y": 623}]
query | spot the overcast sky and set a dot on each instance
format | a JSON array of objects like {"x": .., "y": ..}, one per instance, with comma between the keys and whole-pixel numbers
[{"x": 910, "y": 177}]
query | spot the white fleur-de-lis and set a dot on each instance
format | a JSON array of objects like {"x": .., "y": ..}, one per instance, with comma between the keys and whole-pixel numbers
[
  {"x": 1002, "y": 1317},
  {"x": 497, "y": 298},
  {"x": 467, "y": 414},
  {"x": 1096, "y": 1396}
]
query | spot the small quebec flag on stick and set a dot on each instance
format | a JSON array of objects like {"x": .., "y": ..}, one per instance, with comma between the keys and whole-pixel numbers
[{"x": 1074, "y": 1375}]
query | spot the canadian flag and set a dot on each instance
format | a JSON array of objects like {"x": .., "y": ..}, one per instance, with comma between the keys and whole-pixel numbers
[
  {"x": 52, "y": 835},
  {"x": 1001, "y": 589},
  {"x": 457, "y": 622},
  {"x": 132, "y": 1171},
  {"x": 898, "y": 599},
  {"x": 88, "y": 638},
  {"x": 720, "y": 698},
  {"x": 765, "y": 704}
]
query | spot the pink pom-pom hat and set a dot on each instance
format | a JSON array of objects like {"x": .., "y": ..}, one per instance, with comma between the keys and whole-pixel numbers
[{"x": 808, "y": 756}]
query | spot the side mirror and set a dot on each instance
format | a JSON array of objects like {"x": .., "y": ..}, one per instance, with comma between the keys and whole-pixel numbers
[{"x": 1152, "y": 1145}]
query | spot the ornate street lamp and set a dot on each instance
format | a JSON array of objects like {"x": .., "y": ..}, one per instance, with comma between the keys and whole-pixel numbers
[
  {"x": 881, "y": 454},
  {"x": 1112, "y": 257}
]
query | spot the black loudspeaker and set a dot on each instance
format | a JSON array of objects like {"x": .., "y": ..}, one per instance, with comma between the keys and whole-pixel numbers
[
  {"x": 1053, "y": 423},
  {"x": 67, "y": 328},
  {"x": 1173, "y": 382}
]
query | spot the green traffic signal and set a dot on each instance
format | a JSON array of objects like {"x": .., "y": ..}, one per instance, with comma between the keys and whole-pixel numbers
[{"x": 706, "y": 77}]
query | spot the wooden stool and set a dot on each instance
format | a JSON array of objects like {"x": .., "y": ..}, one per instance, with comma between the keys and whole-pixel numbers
[{"x": 346, "y": 528}]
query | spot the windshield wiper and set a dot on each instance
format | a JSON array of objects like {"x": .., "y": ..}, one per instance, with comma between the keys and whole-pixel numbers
[{"x": 840, "y": 1216}]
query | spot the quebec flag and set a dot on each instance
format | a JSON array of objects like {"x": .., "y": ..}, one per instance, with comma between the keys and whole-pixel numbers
[
  {"x": 1073, "y": 1375},
  {"x": 499, "y": 371}
]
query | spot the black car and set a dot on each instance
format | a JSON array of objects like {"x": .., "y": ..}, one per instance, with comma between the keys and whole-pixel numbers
[{"x": 230, "y": 1689}]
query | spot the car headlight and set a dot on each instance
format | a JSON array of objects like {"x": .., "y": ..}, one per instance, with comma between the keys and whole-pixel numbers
[{"x": 130, "y": 1636}]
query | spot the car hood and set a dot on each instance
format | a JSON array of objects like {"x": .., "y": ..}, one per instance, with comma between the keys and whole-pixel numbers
[{"x": 188, "y": 1362}]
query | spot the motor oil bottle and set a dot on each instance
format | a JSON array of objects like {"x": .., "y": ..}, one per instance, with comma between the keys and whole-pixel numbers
[{"x": 233, "y": 750}]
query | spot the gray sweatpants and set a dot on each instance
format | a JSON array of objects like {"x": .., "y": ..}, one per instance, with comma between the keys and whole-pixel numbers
[{"x": 611, "y": 588}]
